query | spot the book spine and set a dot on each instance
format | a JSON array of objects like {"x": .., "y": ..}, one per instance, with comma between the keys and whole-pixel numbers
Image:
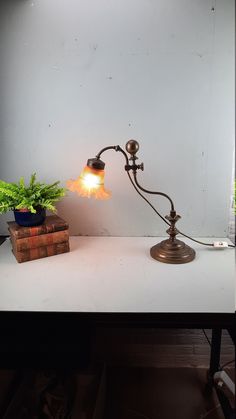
[
  {"x": 37, "y": 230},
  {"x": 41, "y": 240},
  {"x": 41, "y": 252}
]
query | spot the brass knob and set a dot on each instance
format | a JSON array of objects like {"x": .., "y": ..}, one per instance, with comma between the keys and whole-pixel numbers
[{"x": 132, "y": 147}]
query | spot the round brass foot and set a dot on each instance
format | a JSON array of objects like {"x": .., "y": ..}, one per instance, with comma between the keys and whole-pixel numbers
[{"x": 169, "y": 251}]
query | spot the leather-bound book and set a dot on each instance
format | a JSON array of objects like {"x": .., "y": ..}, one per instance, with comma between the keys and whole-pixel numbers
[
  {"x": 33, "y": 242},
  {"x": 41, "y": 252},
  {"x": 51, "y": 224}
]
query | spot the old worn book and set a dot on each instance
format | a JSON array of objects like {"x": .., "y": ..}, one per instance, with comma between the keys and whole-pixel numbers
[
  {"x": 41, "y": 252},
  {"x": 39, "y": 241},
  {"x": 52, "y": 223}
]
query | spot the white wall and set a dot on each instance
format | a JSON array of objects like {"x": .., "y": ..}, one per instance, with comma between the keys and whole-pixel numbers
[{"x": 78, "y": 75}]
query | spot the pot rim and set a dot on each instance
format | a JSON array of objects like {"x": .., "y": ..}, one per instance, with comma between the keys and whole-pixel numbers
[{"x": 38, "y": 209}]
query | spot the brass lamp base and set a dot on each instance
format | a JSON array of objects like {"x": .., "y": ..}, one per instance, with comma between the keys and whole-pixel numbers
[
  {"x": 172, "y": 250},
  {"x": 169, "y": 251}
]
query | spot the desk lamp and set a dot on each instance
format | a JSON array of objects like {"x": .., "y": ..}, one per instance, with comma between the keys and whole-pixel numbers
[{"x": 91, "y": 184}]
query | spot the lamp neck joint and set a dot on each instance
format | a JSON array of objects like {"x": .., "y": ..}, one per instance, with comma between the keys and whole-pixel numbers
[{"x": 134, "y": 167}]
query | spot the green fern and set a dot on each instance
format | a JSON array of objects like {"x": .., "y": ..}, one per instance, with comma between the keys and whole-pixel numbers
[{"x": 18, "y": 195}]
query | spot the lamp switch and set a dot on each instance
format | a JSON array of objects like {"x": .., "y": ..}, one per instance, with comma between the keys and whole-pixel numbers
[{"x": 220, "y": 244}]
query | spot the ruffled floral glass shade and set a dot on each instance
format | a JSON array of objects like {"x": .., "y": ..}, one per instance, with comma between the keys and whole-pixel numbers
[{"x": 90, "y": 183}]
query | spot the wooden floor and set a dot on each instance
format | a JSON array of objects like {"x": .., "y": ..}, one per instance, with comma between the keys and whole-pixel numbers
[
  {"x": 159, "y": 374},
  {"x": 154, "y": 373},
  {"x": 160, "y": 348},
  {"x": 163, "y": 393}
]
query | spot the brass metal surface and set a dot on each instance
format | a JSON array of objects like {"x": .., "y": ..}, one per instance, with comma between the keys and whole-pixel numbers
[
  {"x": 172, "y": 250},
  {"x": 132, "y": 146},
  {"x": 169, "y": 251}
]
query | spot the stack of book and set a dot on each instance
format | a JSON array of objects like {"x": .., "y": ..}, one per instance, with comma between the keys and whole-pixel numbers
[{"x": 48, "y": 239}]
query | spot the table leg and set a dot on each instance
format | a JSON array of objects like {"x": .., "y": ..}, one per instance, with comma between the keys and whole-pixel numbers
[
  {"x": 214, "y": 359},
  {"x": 229, "y": 413},
  {"x": 215, "y": 351}
]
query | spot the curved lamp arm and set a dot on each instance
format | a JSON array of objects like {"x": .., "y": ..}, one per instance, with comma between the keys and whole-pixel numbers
[
  {"x": 153, "y": 192},
  {"x": 132, "y": 147},
  {"x": 116, "y": 148}
]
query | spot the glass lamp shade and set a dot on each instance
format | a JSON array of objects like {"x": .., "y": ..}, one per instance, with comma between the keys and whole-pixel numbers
[{"x": 90, "y": 183}]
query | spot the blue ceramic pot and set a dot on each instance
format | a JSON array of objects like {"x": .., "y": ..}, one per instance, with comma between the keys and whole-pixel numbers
[{"x": 29, "y": 219}]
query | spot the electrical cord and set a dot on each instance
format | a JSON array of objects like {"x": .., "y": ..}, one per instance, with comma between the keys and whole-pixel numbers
[
  {"x": 207, "y": 338},
  {"x": 180, "y": 232},
  {"x": 210, "y": 411},
  {"x": 137, "y": 187},
  {"x": 145, "y": 199},
  {"x": 227, "y": 363},
  {"x": 138, "y": 414},
  {"x": 200, "y": 242},
  {"x": 221, "y": 367}
]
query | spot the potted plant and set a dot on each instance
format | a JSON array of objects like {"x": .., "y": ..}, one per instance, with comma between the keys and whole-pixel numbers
[{"x": 29, "y": 203}]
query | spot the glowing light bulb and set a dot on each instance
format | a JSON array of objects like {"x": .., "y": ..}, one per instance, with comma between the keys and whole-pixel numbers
[
  {"x": 91, "y": 181},
  {"x": 90, "y": 184}
]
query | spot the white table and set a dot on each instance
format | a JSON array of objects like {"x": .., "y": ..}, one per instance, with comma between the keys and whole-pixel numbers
[
  {"x": 109, "y": 281},
  {"x": 117, "y": 275}
]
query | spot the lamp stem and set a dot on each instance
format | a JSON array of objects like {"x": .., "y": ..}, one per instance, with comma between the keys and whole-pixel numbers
[
  {"x": 116, "y": 148},
  {"x": 110, "y": 147},
  {"x": 152, "y": 192},
  {"x": 145, "y": 199},
  {"x": 134, "y": 170}
]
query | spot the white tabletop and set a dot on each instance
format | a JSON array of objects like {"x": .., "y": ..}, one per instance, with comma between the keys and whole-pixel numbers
[{"x": 117, "y": 274}]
